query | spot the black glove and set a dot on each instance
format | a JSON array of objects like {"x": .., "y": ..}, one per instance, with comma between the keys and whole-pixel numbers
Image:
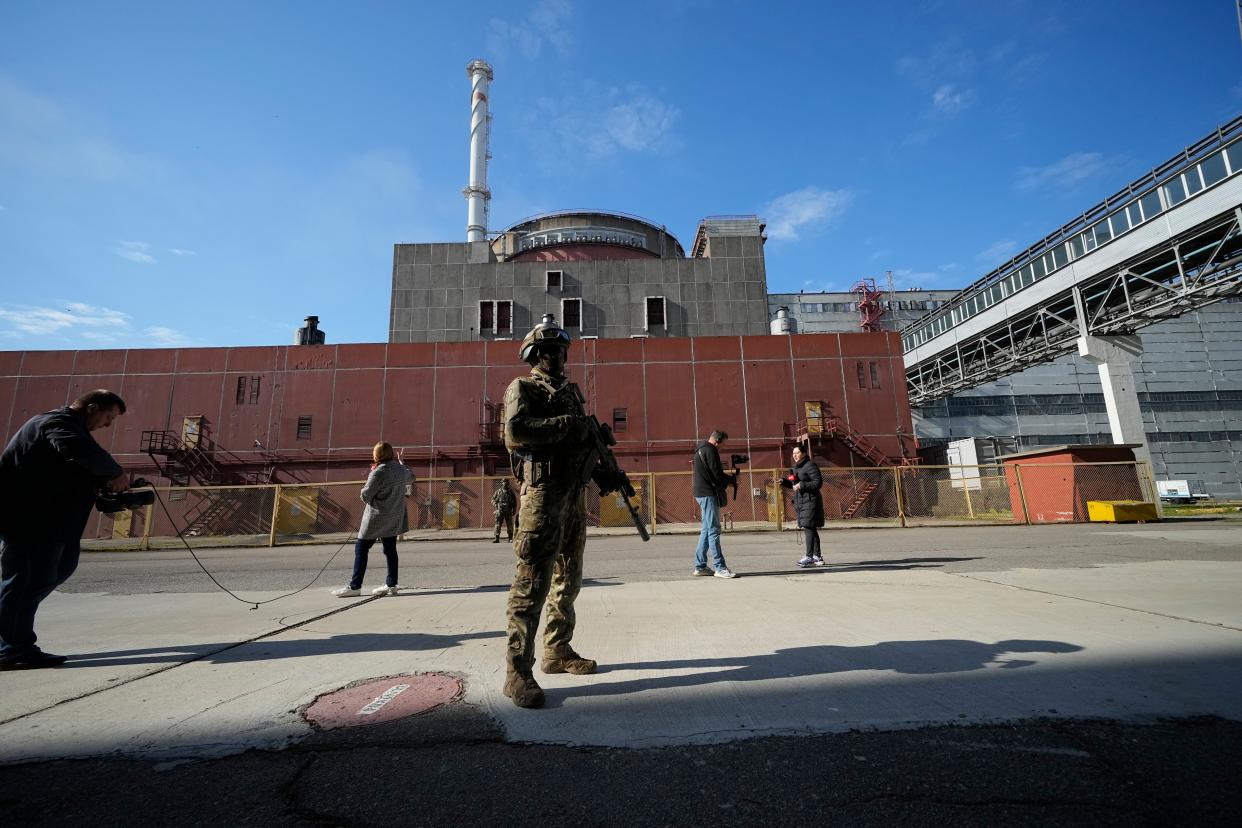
[{"x": 576, "y": 428}]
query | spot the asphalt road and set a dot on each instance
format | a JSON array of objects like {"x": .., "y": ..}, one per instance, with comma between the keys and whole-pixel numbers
[
  {"x": 461, "y": 563},
  {"x": 453, "y": 767}
]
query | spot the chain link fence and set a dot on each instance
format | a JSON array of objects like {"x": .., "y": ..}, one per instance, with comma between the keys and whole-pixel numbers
[{"x": 462, "y": 507}]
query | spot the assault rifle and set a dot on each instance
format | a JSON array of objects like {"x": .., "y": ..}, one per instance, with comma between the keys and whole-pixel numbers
[{"x": 601, "y": 466}]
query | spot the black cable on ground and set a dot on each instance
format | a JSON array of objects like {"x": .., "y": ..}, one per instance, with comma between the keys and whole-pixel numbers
[{"x": 256, "y": 604}]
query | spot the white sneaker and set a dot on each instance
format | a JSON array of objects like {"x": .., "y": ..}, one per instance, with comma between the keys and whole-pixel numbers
[
  {"x": 346, "y": 592},
  {"x": 818, "y": 561},
  {"x": 387, "y": 590},
  {"x": 725, "y": 572}
]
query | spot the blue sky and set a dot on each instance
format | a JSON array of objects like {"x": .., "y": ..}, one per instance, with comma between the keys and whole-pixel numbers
[{"x": 210, "y": 173}]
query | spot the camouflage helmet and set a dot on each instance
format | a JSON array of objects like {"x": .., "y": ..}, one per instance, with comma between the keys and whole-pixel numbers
[{"x": 546, "y": 331}]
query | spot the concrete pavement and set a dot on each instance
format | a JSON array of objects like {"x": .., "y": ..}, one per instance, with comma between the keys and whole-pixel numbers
[{"x": 1137, "y": 624}]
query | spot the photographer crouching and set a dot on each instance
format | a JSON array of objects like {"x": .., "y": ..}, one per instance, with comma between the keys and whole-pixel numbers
[{"x": 50, "y": 474}]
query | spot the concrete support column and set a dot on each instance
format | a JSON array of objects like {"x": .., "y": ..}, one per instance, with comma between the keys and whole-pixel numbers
[{"x": 1113, "y": 354}]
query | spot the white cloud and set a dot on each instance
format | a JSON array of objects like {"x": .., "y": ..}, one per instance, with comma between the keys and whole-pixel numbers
[
  {"x": 135, "y": 251},
  {"x": 946, "y": 59},
  {"x": 949, "y": 100},
  {"x": 1067, "y": 173},
  {"x": 77, "y": 318},
  {"x": 1001, "y": 251},
  {"x": 180, "y": 251},
  {"x": 78, "y": 322},
  {"x": 619, "y": 120},
  {"x": 804, "y": 209},
  {"x": 547, "y": 23},
  {"x": 907, "y": 278},
  {"x": 167, "y": 337}
]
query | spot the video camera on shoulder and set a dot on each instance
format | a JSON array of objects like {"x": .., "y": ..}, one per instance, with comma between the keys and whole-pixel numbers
[
  {"x": 110, "y": 502},
  {"x": 736, "y": 460}
]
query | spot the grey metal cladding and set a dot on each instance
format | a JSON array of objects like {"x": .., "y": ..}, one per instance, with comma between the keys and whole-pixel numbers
[
  {"x": 453, "y": 319},
  {"x": 418, "y": 318},
  {"x": 753, "y": 270}
]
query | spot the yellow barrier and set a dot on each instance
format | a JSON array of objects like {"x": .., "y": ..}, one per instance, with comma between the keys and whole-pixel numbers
[{"x": 1120, "y": 511}]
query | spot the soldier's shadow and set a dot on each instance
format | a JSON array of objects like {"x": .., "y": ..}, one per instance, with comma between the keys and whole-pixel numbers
[{"x": 924, "y": 657}]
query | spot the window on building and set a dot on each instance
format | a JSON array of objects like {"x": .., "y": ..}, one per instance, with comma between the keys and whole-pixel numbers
[
  {"x": 655, "y": 312},
  {"x": 496, "y": 316},
  {"x": 304, "y": 427},
  {"x": 875, "y": 375},
  {"x": 554, "y": 279},
  {"x": 620, "y": 419},
  {"x": 504, "y": 317},
  {"x": 1213, "y": 168},
  {"x": 862, "y": 376},
  {"x": 1151, "y": 205},
  {"x": 251, "y": 383},
  {"x": 571, "y": 314}
]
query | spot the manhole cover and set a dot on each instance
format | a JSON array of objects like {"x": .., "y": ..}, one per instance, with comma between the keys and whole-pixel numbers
[{"x": 382, "y": 700}]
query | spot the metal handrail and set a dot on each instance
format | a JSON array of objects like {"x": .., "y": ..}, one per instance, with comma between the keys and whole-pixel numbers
[{"x": 1151, "y": 180}]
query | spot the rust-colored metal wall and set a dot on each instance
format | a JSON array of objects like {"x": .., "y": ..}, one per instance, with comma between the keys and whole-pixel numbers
[{"x": 431, "y": 399}]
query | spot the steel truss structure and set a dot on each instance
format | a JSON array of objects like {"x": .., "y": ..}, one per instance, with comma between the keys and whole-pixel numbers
[{"x": 1196, "y": 268}]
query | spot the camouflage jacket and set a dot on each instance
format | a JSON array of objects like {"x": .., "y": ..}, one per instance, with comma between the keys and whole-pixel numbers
[{"x": 540, "y": 427}]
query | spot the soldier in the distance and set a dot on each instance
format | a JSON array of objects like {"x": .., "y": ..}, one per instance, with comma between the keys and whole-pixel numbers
[
  {"x": 504, "y": 503},
  {"x": 545, "y": 431}
]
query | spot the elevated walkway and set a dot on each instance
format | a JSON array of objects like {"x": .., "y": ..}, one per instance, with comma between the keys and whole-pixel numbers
[{"x": 1168, "y": 243}]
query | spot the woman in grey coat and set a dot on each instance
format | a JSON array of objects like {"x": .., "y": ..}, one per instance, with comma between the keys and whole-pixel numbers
[{"x": 383, "y": 519}]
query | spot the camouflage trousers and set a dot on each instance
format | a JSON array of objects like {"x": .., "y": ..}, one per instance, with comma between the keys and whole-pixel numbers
[
  {"x": 504, "y": 519},
  {"x": 550, "y": 542}
]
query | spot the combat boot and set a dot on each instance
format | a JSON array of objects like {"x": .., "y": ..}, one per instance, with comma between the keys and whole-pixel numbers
[
  {"x": 521, "y": 687},
  {"x": 567, "y": 662}
]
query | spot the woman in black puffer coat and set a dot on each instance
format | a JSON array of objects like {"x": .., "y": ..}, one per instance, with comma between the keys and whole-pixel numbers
[{"x": 805, "y": 480}]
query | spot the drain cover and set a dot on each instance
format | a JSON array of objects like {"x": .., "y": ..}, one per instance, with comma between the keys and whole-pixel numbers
[{"x": 382, "y": 700}]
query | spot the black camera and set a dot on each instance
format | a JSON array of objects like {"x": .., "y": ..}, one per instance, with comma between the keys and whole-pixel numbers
[
  {"x": 110, "y": 502},
  {"x": 738, "y": 459}
]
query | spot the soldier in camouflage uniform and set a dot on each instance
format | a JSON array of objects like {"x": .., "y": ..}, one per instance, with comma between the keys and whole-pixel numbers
[
  {"x": 545, "y": 431},
  {"x": 504, "y": 503}
]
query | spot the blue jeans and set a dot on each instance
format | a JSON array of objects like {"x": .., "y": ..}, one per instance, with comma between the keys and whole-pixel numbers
[
  {"x": 709, "y": 538},
  {"x": 29, "y": 571},
  {"x": 361, "y": 548}
]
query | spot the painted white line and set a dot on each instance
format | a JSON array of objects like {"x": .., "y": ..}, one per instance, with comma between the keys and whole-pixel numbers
[{"x": 383, "y": 699}]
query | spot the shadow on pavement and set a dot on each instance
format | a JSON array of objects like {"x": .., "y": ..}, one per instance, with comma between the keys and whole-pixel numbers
[
  {"x": 908, "y": 657},
  {"x": 270, "y": 649},
  {"x": 861, "y": 566}
]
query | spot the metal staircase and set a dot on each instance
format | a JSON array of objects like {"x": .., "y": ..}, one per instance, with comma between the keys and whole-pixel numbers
[
  {"x": 860, "y": 496},
  {"x": 828, "y": 425},
  {"x": 201, "y": 461}
]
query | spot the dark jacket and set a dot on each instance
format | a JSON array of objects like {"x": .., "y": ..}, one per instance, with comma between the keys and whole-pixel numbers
[
  {"x": 49, "y": 474},
  {"x": 808, "y": 502},
  {"x": 709, "y": 477}
]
